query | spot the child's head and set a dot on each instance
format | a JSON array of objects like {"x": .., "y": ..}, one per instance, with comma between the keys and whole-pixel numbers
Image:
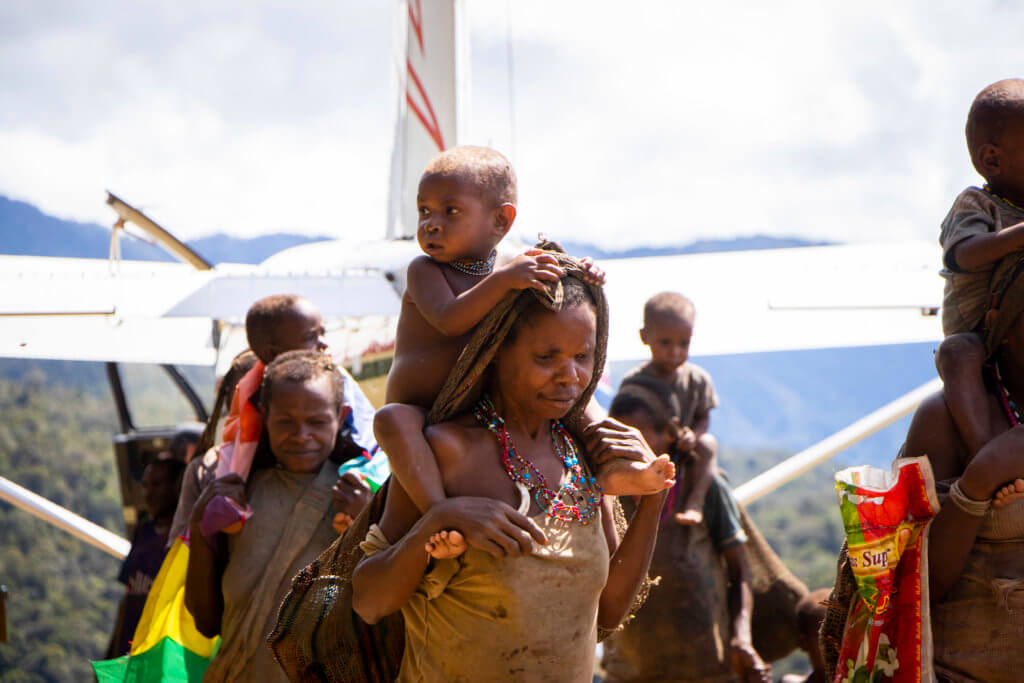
[
  {"x": 668, "y": 326},
  {"x": 283, "y": 322},
  {"x": 646, "y": 404},
  {"x": 466, "y": 203},
  {"x": 302, "y": 400},
  {"x": 810, "y": 612},
  {"x": 161, "y": 484},
  {"x": 995, "y": 136}
]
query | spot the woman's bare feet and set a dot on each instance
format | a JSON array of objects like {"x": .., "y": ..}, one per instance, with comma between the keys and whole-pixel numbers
[
  {"x": 1009, "y": 493},
  {"x": 446, "y": 544}
]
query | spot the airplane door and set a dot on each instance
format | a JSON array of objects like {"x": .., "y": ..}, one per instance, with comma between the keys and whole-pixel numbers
[{"x": 154, "y": 403}]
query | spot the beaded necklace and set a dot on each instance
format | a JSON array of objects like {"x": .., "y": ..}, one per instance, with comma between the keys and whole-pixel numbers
[
  {"x": 476, "y": 267},
  {"x": 576, "y": 500},
  {"x": 1009, "y": 407},
  {"x": 1001, "y": 198}
]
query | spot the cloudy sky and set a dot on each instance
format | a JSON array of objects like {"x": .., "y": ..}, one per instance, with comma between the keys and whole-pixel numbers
[{"x": 639, "y": 122}]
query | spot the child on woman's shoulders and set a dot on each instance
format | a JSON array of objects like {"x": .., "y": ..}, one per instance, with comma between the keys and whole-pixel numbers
[
  {"x": 668, "y": 327},
  {"x": 467, "y": 203},
  {"x": 984, "y": 226}
]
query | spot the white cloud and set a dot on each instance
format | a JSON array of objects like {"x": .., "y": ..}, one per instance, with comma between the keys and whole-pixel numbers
[{"x": 641, "y": 123}]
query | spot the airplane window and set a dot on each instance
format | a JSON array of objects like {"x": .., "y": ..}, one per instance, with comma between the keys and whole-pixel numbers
[{"x": 155, "y": 400}]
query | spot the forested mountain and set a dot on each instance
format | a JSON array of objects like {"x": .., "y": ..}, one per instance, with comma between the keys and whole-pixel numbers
[{"x": 26, "y": 230}]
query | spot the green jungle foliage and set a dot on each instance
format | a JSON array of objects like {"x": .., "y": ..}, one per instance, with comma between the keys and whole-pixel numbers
[{"x": 55, "y": 440}]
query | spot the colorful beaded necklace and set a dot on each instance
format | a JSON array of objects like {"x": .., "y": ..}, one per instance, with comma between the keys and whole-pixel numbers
[
  {"x": 476, "y": 267},
  {"x": 1009, "y": 407},
  {"x": 577, "y": 499},
  {"x": 1001, "y": 198}
]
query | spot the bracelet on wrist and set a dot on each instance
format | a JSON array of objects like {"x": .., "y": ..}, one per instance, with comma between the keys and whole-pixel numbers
[{"x": 970, "y": 506}]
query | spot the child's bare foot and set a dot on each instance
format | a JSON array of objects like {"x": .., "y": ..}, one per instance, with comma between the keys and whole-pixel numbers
[
  {"x": 446, "y": 544},
  {"x": 690, "y": 517},
  {"x": 639, "y": 479},
  {"x": 1009, "y": 493}
]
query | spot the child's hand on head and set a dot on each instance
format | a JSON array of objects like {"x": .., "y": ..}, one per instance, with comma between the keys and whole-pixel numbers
[
  {"x": 591, "y": 273},
  {"x": 531, "y": 269}
]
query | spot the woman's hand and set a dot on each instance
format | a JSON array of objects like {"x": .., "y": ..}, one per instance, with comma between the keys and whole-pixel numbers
[
  {"x": 489, "y": 525},
  {"x": 610, "y": 439},
  {"x": 230, "y": 486}
]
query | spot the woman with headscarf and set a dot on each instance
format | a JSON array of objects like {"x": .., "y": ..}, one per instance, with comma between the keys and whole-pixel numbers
[
  {"x": 528, "y": 605},
  {"x": 975, "y": 550}
]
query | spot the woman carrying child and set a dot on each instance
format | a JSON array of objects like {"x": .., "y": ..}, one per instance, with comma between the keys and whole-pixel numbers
[
  {"x": 554, "y": 570},
  {"x": 236, "y": 582}
]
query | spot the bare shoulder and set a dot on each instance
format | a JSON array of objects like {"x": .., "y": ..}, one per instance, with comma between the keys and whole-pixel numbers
[
  {"x": 423, "y": 272},
  {"x": 933, "y": 434},
  {"x": 451, "y": 440}
]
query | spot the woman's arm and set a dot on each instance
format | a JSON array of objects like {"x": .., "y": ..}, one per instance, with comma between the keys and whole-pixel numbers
[
  {"x": 630, "y": 559},
  {"x": 203, "y": 596},
  {"x": 383, "y": 582}
]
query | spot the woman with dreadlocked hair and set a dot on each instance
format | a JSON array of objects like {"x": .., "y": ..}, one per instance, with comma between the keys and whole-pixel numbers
[
  {"x": 527, "y": 604},
  {"x": 696, "y": 626},
  {"x": 235, "y": 582}
]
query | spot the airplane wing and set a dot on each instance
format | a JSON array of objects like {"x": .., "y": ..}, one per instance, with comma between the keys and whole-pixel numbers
[
  {"x": 145, "y": 312},
  {"x": 784, "y": 299}
]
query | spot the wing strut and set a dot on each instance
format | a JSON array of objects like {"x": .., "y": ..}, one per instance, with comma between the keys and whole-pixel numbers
[
  {"x": 792, "y": 467},
  {"x": 51, "y": 513}
]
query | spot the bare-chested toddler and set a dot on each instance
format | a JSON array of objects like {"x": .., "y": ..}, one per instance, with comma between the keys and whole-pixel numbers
[
  {"x": 467, "y": 204},
  {"x": 984, "y": 225}
]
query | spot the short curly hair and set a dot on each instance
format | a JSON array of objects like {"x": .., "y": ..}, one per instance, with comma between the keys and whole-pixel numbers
[
  {"x": 298, "y": 367},
  {"x": 671, "y": 304},
  {"x": 484, "y": 168},
  {"x": 995, "y": 107}
]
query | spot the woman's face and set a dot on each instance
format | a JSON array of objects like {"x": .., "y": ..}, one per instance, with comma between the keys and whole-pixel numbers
[
  {"x": 548, "y": 365},
  {"x": 302, "y": 423}
]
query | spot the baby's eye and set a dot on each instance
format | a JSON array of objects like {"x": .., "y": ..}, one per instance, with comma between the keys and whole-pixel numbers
[
  {"x": 581, "y": 357},
  {"x": 424, "y": 211},
  {"x": 452, "y": 210}
]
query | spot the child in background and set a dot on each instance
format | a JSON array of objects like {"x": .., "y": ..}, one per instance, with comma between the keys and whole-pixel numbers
[
  {"x": 467, "y": 204},
  {"x": 810, "y": 612},
  {"x": 273, "y": 325},
  {"x": 668, "y": 327},
  {"x": 983, "y": 226},
  {"x": 161, "y": 483}
]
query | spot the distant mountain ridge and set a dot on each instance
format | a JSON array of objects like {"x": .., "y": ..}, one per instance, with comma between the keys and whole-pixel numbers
[{"x": 25, "y": 230}]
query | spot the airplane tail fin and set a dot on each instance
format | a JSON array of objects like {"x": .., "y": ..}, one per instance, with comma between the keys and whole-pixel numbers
[{"x": 431, "y": 67}]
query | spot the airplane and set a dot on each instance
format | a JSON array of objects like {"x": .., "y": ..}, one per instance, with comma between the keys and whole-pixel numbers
[{"x": 191, "y": 312}]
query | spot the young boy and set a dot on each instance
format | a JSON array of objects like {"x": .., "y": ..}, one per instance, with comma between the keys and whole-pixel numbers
[
  {"x": 667, "y": 330},
  {"x": 983, "y": 226},
  {"x": 467, "y": 204}
]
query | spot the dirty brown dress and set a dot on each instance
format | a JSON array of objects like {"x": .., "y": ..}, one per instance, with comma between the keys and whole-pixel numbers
[
  {"x": 530, "y": 619},
  {"x": 978, "y": 627}
]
